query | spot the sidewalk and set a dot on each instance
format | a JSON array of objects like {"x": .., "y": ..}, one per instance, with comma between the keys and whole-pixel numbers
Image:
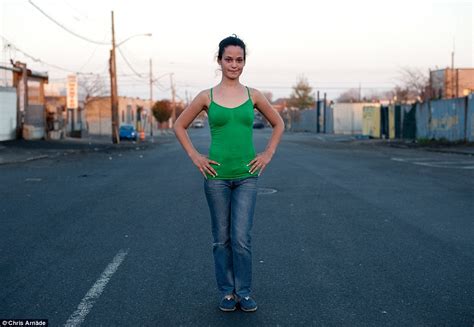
[
  {"x": 18, "y": 151},
  {"x": 456, "y": 148}
]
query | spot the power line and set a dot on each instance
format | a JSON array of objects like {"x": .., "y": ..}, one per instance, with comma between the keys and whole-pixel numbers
[
  {"x": 90, "y": 58},
  {"x": 10, "y": 45},
  {"x": 128, "y": 63},
  {"x": 64, "y": 27}
]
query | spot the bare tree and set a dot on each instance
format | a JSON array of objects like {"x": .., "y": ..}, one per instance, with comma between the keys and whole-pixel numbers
[
  {"x": 268, "y": 95},
  {"x": 401, "y": 94},
  {"x": 414, "y": 85},
  {"x": 92, "y": 86},
  {"x": 351, "y": 95}
]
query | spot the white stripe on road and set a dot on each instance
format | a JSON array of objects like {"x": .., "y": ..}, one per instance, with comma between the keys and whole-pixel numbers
[
  {"x": 456, "y": 164},
  {"x": 411, "y": 159},
  {"x": 96, "y": 290}
]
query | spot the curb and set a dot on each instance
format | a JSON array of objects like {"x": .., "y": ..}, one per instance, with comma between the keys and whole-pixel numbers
[
  {"x": 92, "y": 149},
  {"x": 430, "y": 149},
  {"x": 42, "y": 156},
  {"x": 10, "y": 162}
]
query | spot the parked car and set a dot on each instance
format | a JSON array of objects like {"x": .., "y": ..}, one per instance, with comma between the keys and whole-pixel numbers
[
  {"x": 198, "y": 123},
  {"x": 258, "y": 124},
  {"x": 128, "y": 132}
]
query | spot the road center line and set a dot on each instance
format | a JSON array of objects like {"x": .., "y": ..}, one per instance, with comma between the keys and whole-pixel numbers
[{"x": 96, "y": 290}]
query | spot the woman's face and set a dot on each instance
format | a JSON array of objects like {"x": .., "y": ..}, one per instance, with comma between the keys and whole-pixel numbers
[{"x": 232, "y": 62}]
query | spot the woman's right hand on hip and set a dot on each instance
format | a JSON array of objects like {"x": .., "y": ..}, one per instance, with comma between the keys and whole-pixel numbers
[{"x": 203, "y": 163}]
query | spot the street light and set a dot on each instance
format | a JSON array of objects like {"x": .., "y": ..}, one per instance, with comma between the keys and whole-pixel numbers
[
  {"x": 130, "y": 37},
  {"x": 113, "y": 82}
]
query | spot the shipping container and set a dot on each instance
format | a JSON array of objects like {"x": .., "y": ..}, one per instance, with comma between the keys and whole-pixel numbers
[
  {"x": 347, "y": 118},
  {"x": 371, "y": 121}
]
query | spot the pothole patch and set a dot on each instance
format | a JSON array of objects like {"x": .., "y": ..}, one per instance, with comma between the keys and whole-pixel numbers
[{"x": 266, "y": 191}]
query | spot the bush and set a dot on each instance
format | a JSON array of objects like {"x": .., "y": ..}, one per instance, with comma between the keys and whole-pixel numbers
[{"x": 162, "y": 110}]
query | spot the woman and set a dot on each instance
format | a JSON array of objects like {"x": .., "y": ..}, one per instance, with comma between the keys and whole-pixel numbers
[{"x": 231, "y": 171}]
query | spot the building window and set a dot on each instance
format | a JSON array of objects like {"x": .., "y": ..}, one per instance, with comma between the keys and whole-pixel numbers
[{"x": 123, "y": 116}]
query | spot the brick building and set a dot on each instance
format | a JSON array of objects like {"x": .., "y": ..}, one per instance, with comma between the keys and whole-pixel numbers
[
  {"x": 451, "y": 83},
  {"x": 98, "y": 114}
]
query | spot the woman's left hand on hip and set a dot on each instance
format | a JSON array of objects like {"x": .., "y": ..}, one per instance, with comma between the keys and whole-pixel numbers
[{"x": 260, "y": 162}]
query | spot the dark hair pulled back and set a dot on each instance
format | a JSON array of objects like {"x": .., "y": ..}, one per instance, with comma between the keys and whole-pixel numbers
[{"x": 230, "y": 40}]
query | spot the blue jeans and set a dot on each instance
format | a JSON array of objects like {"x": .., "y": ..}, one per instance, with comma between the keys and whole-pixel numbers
[{"x": 232, "y": 204}]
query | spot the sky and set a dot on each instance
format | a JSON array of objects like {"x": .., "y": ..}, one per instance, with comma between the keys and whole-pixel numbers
[{"x": 335, "y": 45}]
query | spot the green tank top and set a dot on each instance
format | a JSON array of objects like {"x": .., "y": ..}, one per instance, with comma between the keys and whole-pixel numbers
[{"x": 231, "y": 139}]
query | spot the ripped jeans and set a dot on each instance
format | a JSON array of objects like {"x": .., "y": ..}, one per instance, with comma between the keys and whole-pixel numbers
[{"x": 231, "y": 205}]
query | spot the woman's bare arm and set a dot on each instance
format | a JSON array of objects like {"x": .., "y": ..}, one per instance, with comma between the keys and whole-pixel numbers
[
  {"x": 262, "y": 105},
  {"x": 200, "y": 102}
]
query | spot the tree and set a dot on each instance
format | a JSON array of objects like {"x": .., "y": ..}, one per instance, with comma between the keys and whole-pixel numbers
[
  {"x": 402, "y": 94},
  {"x": 162, "y": 110},
  {"x": 92, "y": 85},
  {"x": 179, "y": 107},
  {"x": 268, "y": 95},
  {"x": 351, "y": 95},
  {"x": 414, "y": 85},
  {"x": 373, "y": 95},
  {"x": 301, "y": 97}
]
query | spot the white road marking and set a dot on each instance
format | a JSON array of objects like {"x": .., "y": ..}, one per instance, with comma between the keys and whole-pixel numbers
[
  {"x": 410, "y": 159},
  {"x": 77, "y": 318},
  {"x": 33, "y": 179},
  {"x": 433, "y": 162}
]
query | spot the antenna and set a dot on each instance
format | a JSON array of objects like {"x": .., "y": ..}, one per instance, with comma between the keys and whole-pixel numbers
[
  {"x": 453, "y": 87},
  {"x": 452, "y": 53}
]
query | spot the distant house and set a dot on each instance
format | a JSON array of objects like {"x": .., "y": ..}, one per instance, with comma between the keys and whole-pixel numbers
[
  {"x": 31, "y": 115},
  {"x": 280, "y": 104},
  {"x": 451, "y": 83},
  {"x": 98, "y": 114}
]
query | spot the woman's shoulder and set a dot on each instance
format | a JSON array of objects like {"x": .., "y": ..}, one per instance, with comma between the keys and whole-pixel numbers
[
  {"x": 255, "y": 94},
  {"x": 204, "y": 93},
  {"x": 204, "y": 97},
  {"x": 253, "y": 91}
]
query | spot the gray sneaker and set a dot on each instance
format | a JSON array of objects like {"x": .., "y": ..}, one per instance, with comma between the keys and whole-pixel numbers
[
  {"x": 228, "y": 303},
  {"x": 248, "y": 304}
]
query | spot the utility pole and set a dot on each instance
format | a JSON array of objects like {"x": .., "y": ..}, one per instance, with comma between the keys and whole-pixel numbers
[
  {"x": 173, "y": 104},
  {"x": 318, "y": 112},
  {"x": 324, "y": 112},
  {"x": 151, "y": 99},
  {"x": 360, "y": 92},
  {"x": 20, "y": 81},
  {"x": 452, "y": 72},
  {"x": 113, "y": 88}
]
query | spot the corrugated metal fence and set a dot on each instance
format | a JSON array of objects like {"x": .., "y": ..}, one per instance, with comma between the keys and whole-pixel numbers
[
  {"x": 470, "y": 118},
  {"x": 448, "y": 119},
  {"x": 311, "y": 120}
]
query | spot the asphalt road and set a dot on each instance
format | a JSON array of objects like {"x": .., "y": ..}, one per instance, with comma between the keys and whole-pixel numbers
[{"x": 355, "y": 235}]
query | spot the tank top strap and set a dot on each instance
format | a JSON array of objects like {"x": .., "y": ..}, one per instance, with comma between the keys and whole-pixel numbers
[
  {"x": 212, "y": 99},
  {"x": 248, "y": 91}
]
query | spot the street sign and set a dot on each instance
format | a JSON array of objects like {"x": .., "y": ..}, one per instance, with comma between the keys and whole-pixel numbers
[{"x": 72, "y": 92}]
